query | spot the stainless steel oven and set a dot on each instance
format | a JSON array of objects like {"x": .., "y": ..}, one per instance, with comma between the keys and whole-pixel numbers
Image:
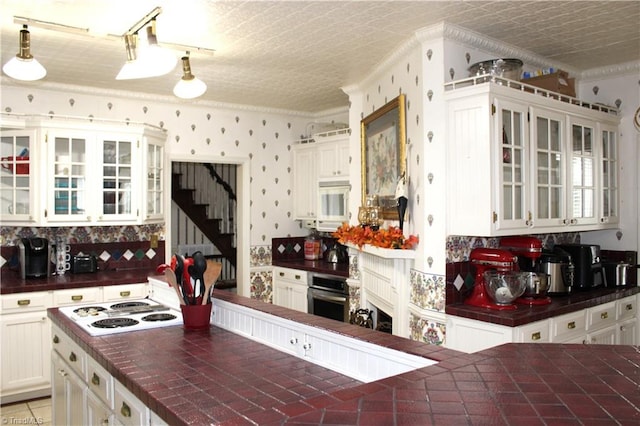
[{"x": 328, "y": 297}]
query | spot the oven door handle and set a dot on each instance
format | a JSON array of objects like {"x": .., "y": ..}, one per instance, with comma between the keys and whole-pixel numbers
[{"x": 326, "y": 298}]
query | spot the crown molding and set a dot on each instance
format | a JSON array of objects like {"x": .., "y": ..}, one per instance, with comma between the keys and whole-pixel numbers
[{"x": 632, "y": 67}]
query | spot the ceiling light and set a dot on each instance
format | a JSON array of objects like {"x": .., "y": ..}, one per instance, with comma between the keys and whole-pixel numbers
[
  {"x": 189, "y": 87},
  {"x": 133, "y": 67},
  {"x": 157, "y": 60},
  {"x": 24, "y": 66}
]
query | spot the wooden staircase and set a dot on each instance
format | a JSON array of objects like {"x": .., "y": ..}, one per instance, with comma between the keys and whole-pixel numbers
[{"x": 184, "y": 198}]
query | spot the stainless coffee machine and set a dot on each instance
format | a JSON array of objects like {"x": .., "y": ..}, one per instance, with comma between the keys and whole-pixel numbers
[
  {"x": 558, "y": 264},
  {"x": 35, "y": 257},
  {"x": 588, "y": 270}
]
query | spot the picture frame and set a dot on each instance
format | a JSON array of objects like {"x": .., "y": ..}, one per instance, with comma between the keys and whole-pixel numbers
[{"x": 383, "y": 154}]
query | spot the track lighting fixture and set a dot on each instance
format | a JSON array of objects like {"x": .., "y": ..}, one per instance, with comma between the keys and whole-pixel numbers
[
  {"x": 189, "y": 86},
  {"x": 24, "y": 66}
]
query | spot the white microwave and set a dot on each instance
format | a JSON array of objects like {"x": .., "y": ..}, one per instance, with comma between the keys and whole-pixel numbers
[{"x": 333, "y": 204}]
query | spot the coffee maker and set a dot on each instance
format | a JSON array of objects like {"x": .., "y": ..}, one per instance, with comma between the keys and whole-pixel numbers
[
  {"x": 35, "y": 257},
  {"x": 487, "y": 259},
  {"x": 588, "y": 270}
]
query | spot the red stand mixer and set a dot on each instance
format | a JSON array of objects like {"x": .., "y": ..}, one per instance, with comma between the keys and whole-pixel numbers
[
  {"x": 487, "y": 259},
  {"x": 529, "y": 252}
]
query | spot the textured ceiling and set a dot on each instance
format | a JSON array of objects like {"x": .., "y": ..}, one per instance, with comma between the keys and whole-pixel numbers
[{"x": 296, "y": 55}]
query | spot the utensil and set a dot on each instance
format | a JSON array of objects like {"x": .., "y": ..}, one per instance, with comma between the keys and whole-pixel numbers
[
  {"x": 197, "y": 271},
  {"x": 211, "y": 274},
  {"x": 186, "y": 279},
  {"x": 171, "y": 279},
  {"x": 177, "y": 261}
]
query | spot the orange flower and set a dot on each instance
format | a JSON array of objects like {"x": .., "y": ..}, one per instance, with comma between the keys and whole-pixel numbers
[{"x": 391, "y": 238}]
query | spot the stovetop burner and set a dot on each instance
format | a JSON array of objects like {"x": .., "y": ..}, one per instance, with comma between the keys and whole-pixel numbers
[
  {"x": 123, "y": 305},
  {"x": 100, "y": 319},
  {"x": 114, "y": 323},
  {"x": 158, "y": 317}
]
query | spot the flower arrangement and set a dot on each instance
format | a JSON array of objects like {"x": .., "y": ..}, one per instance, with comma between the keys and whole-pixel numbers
[{"x": 391, "y": 238}]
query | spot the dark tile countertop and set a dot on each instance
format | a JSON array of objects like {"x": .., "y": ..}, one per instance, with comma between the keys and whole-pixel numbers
[
  {"x": 559, "y": 305},
  {"x": 10, "y": 282},
  {"x": 317, "y": 266},
  {"x": 217, "y": 377}
]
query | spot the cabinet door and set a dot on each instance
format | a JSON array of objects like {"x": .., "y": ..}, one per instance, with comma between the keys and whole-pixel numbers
[
  {"x": 609, "y": 192},
  {"x": 70, "y": 199},
  {"x": 582, "y": 175},
  {"x": 17, "y": 176},
  {"x": 98, "y": 414},
  {"x": 298, "y": 297},
  {"x": 305, "y": 182},
  {"x": 118, "y": 188},
  {"x": 549, "y": 166},
  {"x": 628, "y": 333},
  {"x": 153, "y": 183},
  {"x": 513, "y": 210},
  {"x": 68, "y": 396},
  {"x": 606, "y": 336},
  {"x": 343, "y": 158},
  {"x": 280, "y": 293},
  {"x": 25, "y": 352}
]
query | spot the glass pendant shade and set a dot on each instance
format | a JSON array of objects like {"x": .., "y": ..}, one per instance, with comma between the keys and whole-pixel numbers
[
  {"x": 189, "y": 87},
  {"x": 24, "y": 66}
]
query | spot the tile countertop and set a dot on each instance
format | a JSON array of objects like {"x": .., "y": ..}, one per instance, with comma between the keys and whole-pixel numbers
[
  {"x": 559, "y": 305},
  {"x": 191, "y": 378},
  {"x": 317, "y": 266},
  {"x": 10, "y": 282}
]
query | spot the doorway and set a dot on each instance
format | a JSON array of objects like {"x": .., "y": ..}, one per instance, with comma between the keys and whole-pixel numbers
[{"x": 242, "y": 177}]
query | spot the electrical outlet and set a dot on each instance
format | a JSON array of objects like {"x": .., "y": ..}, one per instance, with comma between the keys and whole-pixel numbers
[{"x": 154, "y": 241}]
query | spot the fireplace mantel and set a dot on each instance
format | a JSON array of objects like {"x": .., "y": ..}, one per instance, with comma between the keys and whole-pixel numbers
[{"x": 383, "y": 276}]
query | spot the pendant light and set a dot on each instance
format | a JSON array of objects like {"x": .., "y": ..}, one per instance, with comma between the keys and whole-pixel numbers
[
  {"x": 132, "y": 68},
  {"x": 24, "y": 66},
  {"x": 189, "y": 86}
]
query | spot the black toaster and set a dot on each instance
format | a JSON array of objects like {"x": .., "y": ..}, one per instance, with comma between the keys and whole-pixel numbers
[{"x": 83, "y": 264}]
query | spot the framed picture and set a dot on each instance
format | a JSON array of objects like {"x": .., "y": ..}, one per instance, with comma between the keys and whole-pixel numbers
[{"x": 383, "y": 141}]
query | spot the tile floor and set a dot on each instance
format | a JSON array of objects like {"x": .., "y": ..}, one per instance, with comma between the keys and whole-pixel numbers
[{"x": 34, "y": 412}]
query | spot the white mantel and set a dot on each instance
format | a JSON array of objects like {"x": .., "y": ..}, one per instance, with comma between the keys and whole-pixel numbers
[{"x": 383, "y": 277}]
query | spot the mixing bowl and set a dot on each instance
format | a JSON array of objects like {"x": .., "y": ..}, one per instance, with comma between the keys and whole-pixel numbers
[{"x": 504, "y": 287}]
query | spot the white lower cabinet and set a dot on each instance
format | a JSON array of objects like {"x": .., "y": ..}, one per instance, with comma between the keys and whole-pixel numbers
[
  {"x": 84, "y": 393},
  {"x": 25, "y": 334},
  {"x": 611, "y": 323},
  {"x": 26, "y": 368},
  {"x": 290, "y": 288}
]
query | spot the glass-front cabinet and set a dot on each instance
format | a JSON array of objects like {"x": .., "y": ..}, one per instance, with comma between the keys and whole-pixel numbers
[
  {"x": 520, "y": 163},
  {"x": 582, "y": 181},
  {"x": 549, "y": 165},
  {"x": 17, "y": 176},
  {"x": 609, "y": 202},
  {"x": 89, "y": 173}
]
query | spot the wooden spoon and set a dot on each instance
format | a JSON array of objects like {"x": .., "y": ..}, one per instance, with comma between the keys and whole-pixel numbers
[
  {"x": 211, "y": 274},
  {"x": 171, "y": 278}
]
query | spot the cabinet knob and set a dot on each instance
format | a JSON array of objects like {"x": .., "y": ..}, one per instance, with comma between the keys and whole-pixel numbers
[
  {"x": 125, "y": 410},
  {"x": 297, "y": 277},
  {"x": 56, "y": 339},
  {"x": 73, "y": 357},
  {"x": 535, "y": 336},
  {"x": 95, "y": 379},
  {"x": 126, "y": 293},
  {"x": 629, "y": 307},
  {"x": 623, "y": 328},
  {"x": 76, "y": 298},
  {"x": 306, "y": 346},
  {"x": 293, "y": 340},
  {"x": 571, "y": 325},
  {"x": 62, "y": 373},
  {"x": 604, "y": 315}
]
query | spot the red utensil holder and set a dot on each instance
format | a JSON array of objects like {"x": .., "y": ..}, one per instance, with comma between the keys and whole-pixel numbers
[{"x": 196, "y": 317}]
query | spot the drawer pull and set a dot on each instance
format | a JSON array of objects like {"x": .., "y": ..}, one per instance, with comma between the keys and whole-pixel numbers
[
  {"x": 24, "y": 302},
  {"x": 281, "y": 274},
  {"x": 125, "y": 410},
  {"x": 298, "y": 277},
  {"x": 56, "y": 339},
  {"x": 571, "y": 325},
  {"x": 629, "y": 307},
  {"x": 73, "y": 357},
  {"x": 125, "y": 293},
  {"x": 76, "y": 298},
  {"x": 535, "y": 336},
  {"x": 95, "y": 379},
  {"x": 604, "y": 315}
]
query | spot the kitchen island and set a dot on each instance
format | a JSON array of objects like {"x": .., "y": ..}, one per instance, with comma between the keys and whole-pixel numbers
[{"x": 219, "y": 377}]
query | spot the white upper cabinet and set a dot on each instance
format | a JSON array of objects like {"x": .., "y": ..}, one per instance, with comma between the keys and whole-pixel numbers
[
  {"x": 18, "y": 175},
  {"x": 89, "y": 173},
  {"x": 519, "y": 162}
]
